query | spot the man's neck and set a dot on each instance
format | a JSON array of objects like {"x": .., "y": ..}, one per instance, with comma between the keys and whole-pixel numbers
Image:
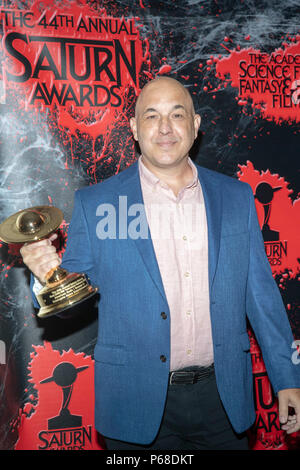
[{"x": 176, "y": 177}]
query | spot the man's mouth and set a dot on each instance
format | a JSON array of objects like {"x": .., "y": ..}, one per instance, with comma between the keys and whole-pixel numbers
[{"x": 166, "y": 143}]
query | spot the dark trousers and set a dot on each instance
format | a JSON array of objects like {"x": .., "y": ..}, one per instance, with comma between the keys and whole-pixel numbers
[{"x": 194, "y": 418}]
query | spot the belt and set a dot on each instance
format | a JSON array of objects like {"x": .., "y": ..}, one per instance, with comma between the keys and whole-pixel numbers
[{"x": 190, "y": 375}]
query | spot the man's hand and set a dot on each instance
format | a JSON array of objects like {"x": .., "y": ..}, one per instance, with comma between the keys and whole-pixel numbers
[
  {"x": 40, "y": 257},
  {"x": 289, "y": 397}
]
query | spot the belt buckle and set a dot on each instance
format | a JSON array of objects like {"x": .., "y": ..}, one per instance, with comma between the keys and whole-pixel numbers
[
  {"x": 171, "y": 377},
  {"x": 190, "y": 377}
]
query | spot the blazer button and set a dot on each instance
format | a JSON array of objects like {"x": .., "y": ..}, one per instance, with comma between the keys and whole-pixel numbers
[
  {"x": 163, "y": 315},
  {"x": 163, "y": 358}
]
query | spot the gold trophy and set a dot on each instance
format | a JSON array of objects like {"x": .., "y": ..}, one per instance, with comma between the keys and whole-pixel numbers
[{"x": 63, "y": 290}]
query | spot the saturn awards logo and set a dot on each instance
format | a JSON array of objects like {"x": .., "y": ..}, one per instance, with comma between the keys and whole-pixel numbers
[
  {"x": 59, "y": 419},
  {"x": 65, "y": 428},
  {"x": 275, "y": 248},
  {"x": 278, "y": 217}
]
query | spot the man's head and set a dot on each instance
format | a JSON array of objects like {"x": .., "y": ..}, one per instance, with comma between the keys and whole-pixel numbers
[{"x": 165, "y": 123}]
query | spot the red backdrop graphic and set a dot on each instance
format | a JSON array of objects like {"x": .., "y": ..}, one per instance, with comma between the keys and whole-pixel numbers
[
  {"x": 71, "y": 71},
  {"x": 269, "y": 81},
  {"x": 279, "y": 218},
  {"x": 266, "y": 433},
  {"x": 81, "y": 64},
  {"x": 57, "y": 417}
]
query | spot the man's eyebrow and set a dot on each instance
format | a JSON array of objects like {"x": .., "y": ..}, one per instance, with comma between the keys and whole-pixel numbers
[
  {"x": 153, "y": 110},
  {"x": 150, "y": 110},
  {"x": 179, "y": 106}
]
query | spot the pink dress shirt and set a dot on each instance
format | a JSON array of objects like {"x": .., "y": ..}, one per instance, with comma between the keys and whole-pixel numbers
[{"x": 178, "y": 229}]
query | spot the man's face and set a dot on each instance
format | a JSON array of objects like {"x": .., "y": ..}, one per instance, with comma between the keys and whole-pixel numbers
[{"x": 165, "y": 124}]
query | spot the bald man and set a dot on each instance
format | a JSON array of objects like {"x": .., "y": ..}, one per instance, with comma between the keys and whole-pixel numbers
[{"x": 178, "y": 256}]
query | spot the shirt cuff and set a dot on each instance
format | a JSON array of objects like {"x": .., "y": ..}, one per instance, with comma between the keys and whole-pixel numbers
[{"x": 37, "y": 286}]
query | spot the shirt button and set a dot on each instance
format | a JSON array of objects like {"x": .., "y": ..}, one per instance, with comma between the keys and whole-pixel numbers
[
  {"x": 189, "y": 351},
  {"x": 189, "y": 312},
  {"x": 184, "y": 238},
  {"x": 186, "y": 274},
  {"x": 163, "y": 315},
  {"x": 163, "y": 358}
]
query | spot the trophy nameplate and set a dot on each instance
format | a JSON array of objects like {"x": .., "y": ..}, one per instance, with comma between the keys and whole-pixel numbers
[{"x": 63, "y": 290}]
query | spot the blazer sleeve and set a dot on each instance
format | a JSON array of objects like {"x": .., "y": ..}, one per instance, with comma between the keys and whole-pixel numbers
[
  {"x": 78, "y": 256},
  {"x": 266, "y": 312}
]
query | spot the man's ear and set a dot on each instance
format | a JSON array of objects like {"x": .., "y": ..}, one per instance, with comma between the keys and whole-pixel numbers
[
  {"x": 197, "y": 122},
  {"x": 133, "y": 127}
]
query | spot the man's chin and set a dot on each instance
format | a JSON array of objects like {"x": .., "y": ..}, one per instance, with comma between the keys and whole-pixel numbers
[{"x": 164, "y": 161}]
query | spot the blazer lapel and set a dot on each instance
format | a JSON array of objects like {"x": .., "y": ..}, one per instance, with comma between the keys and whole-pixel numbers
[
  {"x": 131, "y": 187},
  {"x": 213, "y": 205}
]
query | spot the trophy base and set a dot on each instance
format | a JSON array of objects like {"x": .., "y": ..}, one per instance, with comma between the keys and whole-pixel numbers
[{"x": 64, "y": 294}]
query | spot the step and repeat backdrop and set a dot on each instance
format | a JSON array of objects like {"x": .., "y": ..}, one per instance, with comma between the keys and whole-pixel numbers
[{"x": 70, "y": 74}]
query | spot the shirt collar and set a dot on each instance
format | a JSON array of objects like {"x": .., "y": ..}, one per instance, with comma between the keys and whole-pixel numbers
[{"x": 153, "y": 180}]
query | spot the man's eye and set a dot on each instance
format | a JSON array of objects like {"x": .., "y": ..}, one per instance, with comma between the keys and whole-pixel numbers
[
  {"x": 178, "y": 116},
  {"x": 151, "y": 116}
]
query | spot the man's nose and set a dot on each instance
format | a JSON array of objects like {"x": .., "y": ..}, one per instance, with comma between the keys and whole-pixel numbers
[{"x": 165, "y": 126}]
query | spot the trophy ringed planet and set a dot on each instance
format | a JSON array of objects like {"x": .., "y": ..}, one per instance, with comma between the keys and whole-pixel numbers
[{"x": 32, "y": 224}]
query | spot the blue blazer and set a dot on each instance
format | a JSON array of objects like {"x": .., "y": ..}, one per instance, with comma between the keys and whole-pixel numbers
[{"x": 131, "y": 379}]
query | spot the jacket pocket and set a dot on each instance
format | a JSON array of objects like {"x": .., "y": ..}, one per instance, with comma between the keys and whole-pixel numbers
[{"x": 110, "y": 354}]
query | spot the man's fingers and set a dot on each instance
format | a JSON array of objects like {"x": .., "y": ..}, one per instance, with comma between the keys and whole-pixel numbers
[
  {"x": 283, "y": 409},
  {"x": 290, "y": 428},
  {"x": 53, "y": 237},
  {"x": 289, "y": 417},
  {"x": 44, "y": 268},
  {"x": 34, "y": 245},
  {"x": 40, "y": 257}
]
